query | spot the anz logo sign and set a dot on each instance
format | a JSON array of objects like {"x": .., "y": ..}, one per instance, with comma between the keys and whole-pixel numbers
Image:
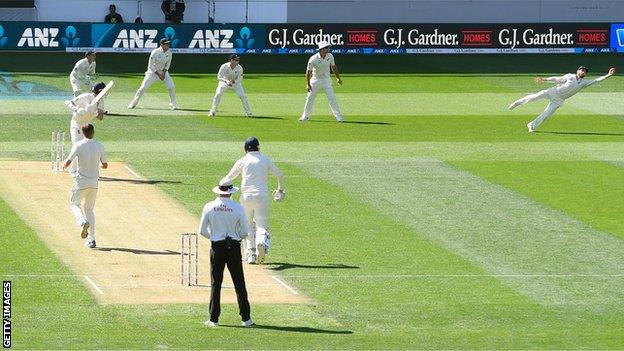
[
  {"x": 137, "y": 38},
  {"x": 48, "y": 37},
  {"x": 218, "y": 38}
]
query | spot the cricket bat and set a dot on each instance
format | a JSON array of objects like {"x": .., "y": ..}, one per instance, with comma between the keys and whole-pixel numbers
[{"x": 103, "y": 93}]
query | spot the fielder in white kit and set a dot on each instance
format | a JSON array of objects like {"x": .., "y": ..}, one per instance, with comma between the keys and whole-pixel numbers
[
  {"x": 88, "y": 153},
  {"x": 567, "y": 86},
  {"x": 83, "y": 74},
  {"x": 83, "y": 113},
  {"x": 318, "y": 77},
  {"x": 158, "y": 70},
  {"x": 230, "y": 76},
  {"x": 255, "y": 168}
]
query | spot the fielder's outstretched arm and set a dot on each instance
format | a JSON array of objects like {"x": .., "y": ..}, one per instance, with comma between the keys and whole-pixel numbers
[{"x": 601, "y": 78}]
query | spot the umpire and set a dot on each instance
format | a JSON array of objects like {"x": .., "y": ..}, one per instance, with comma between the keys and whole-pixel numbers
[{"x": 223, "y": 221}]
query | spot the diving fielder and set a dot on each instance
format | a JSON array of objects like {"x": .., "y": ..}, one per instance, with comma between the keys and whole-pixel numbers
[
  {"x": 88, "y": 154},
  {"x": 158, "y": 69},
  {"x": 567, "y": 86},
  {"x": 230, "y": 76},
  {"x": 318, "y": 77},
  {"x": 82, "y": 75},
  {"x": 255, "y": 168},
  {"x": 83, "y": 113}
]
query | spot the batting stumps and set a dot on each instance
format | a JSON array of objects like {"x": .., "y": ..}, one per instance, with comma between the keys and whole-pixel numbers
[
  {"x": 189, "y": 261},
  {"x": 57, "y": 150}
]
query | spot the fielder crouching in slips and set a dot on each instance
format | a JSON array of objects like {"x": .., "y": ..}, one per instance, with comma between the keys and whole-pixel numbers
[
  {"x": 223, "y": 221},
  {"x": 88, "y": 154}
]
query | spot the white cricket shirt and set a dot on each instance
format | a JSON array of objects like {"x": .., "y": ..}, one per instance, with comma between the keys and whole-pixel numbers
[
  {"x": 159, "y": 60},
  {"x": 89, "y": 154},
  {"x": 255, "y": 168},
  {"x": 227, "y": 73},
  {"x": 569, "y": 84},
  {"x": 321, "y": 67},
  {"x": 221, "y": 218},
  {"x": 82, "y": 69}
]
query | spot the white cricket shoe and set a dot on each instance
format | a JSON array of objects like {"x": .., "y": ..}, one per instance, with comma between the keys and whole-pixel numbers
[
  {"x": 261, "y": 250},
  {"x": 211, "y": 324},
  {"x": 248, "y": 323},
  {"x": 131, "y": 106},
  {"x": 212, "y": 114},
  {"x": 249, "y": 114},
  {"x": 85, "y": 230},
  {"x": 513, "y": 105},
  {"x": 173, "y": 107},
  {"x": 90, "y": 244},
  {"x": 303, "y": 119},
  {"x": 340, "y": 119},
  {"x": 530, "y": 127},
  {"x": 251, "y": 258}
]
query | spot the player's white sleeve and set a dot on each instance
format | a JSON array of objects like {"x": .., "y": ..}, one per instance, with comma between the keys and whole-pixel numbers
[
  {"x": 168, "y": 64},
  {"x": 204, "y": 228},
  {"x": 332, "y": 62},
  {"x": 242, "y": 225},
  {"x": 72, "y": 153},
  {"x": 235, "y": 171},
  {"x": 278, "y": 174},
  {"x": 239, "y": 79},
  {"x": 151, "y": 65},
  {"x": 92, "y": 70},
  {"x": 560, "y": 79},
  {"x": 221, "y": 74},
  {"x": 597, "y": 80},
  {"x": 310, "y": 67},
  {"x": 103, "y": 157}
]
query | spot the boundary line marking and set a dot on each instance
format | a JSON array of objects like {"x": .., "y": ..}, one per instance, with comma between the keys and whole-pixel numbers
[
  {"x": 97, "y": 288},
  {"x": 283, "y": 283}
]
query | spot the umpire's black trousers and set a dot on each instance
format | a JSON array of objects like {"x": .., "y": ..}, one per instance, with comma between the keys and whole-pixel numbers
[{"x": 221, "y": 253}]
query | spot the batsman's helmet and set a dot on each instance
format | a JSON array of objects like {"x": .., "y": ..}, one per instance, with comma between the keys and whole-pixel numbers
[
  {"x": 98, "y": 87},
  {"x": 252, "y": 144}
]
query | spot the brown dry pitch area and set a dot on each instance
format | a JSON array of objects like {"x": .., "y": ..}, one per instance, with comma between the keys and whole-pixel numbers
[{"x": 138, "y": 235}]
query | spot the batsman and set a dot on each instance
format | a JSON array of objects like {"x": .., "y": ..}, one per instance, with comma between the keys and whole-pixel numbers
[
  {"x": 255, "y": 168},
  {"x": 85, "y": 107}
]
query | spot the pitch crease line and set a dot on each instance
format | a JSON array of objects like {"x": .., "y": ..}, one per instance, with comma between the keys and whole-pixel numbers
[
  {"x": 283, "y": 283},
  {"x": 97, "y": 288},
  {"x": 132, "y": 171}
]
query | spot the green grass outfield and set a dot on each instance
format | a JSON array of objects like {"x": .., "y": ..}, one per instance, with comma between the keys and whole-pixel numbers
[{"x": 430, "y": 219}]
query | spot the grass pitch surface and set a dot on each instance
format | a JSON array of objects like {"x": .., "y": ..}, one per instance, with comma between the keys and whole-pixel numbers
[{"x": 430, "y": 219}]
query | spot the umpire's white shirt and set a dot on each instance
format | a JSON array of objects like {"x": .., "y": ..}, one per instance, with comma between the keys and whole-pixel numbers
[
  {"x": 255, "y": 168},
  {"x": 321, "y": 67},
  {"x": 89, "y": 153},
  {"x": 159, "y": 60},
  {"x": 227, "y": 73},
  {"x": 221, "y": 218},
  {"x": 82, "y": 68}
]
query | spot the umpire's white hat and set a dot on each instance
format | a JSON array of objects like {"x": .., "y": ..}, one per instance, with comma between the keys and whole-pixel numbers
[
  {"x": 225, "y": 187},
  {"x": 323, "y": 45}
]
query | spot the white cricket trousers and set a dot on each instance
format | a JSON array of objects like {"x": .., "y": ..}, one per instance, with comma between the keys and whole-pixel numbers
[
  {"x": 552, "y": 106},
  {"x": 84, "y": 212},
  {"x": 238, "y": 89},
  {"x": 75, "y": 133},
  {"x": 78, "y": 87},
  {"x": 318, "y": 85},
  {"x": 256, "y": 208},
  {"x": 151, "y": 78}
]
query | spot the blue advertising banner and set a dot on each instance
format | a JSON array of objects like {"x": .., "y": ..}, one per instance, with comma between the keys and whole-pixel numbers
[{"x": 385, "y": 39}]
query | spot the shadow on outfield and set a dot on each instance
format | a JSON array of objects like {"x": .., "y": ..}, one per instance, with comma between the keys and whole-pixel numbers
[
  {"x": 293, "y": 329},
  {"x": 352, "y": 122},
  {"x": 120, "y": 115},
  {"x": 281, "y": 266},
  {"x": 245, "y": 117},
  {"x": 137, "y": 251},
  {"x": 578, "y": 133},
  {"x": 139, "y": 181}
]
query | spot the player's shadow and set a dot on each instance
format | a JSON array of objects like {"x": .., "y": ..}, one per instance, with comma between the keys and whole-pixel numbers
[
  {"x": 353, "y": 122},
  {"x": 298, "y": 329},
  {"x": 112, "y": 114},
  {"x": 139, "y": 181},
  {"x": 245, "y": 117},
  {"x": 193, "y": 109},
  {"x": 281, "y": 266},
  {"x": 137, "y": 251},
  {"x": 578, "y": 133}
]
